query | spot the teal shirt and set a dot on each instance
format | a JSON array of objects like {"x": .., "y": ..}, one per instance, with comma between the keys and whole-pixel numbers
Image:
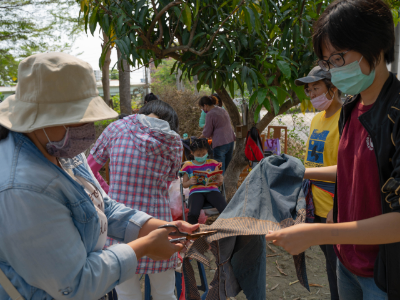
[{"x": 202, "y": 121}]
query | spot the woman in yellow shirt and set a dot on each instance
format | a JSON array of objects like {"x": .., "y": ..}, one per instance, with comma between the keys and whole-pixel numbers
[{"x": 322, "y": 150}]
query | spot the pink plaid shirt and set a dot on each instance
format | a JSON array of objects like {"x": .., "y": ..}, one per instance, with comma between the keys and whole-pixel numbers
[{"x": 145, "y": 155}]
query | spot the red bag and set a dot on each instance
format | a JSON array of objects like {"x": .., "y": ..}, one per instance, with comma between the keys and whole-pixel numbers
[{"x": 253, "y": 149}]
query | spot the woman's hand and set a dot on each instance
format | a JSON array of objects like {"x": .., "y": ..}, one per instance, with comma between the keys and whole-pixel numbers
[
  {"x": 295, "y": 239},
  {"x": 156, "y": 245},
  {"x": 185, "y": 226}
]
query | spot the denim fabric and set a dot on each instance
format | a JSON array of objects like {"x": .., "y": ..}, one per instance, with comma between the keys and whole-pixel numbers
[
  {"x": 223, "y": 154},
  {"x": 270, "y": 198},
  {"x": 353, "y": 287},
  {"x": 49, "y": 228},
  {"x": 330, "y": 261},
  {"x": 249, "y": 260}
]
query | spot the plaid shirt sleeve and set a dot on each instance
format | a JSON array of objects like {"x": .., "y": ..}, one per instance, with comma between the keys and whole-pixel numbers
[
  {"x": 176, "y": 163},
  {"x": 100, "y": 149}
]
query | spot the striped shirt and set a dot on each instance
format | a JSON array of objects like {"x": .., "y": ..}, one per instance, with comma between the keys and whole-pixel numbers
[{"x": 209, "y": 166}]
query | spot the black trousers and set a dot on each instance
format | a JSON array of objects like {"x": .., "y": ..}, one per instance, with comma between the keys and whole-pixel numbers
[
  {"x": 331, "y": 259},
  {"x": 198, "y": 200}
]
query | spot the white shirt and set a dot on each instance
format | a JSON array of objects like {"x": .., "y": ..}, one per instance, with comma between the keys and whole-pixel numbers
[{"x": 98, "y": 202}]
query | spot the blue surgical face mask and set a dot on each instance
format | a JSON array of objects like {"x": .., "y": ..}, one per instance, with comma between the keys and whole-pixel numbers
[
  {"x": 201, "y": 159},
  {"x": 350, "y": 80}
]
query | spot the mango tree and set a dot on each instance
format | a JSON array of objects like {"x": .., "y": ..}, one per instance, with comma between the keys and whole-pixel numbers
[{"x": 261, "y": 46}]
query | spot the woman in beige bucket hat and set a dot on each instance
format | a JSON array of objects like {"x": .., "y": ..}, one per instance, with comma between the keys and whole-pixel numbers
[{"x": 54, "y": 216}]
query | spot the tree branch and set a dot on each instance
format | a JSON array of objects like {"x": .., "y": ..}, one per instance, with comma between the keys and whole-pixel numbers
[
  {"x": 193, "y": 32},
  {"x": 159, "y": 15},
  {"x": 301, "y": 12},
  {"x": 271, "y": 114},
  {"x": 174, "y": 32},
  {"x": 158, "y": 41},
  {"x": 194, "y": 51},
  {"x": 223, "y": 22},
  {"x": 230, "y": 106},
  {"x": 319, "y": 7}
]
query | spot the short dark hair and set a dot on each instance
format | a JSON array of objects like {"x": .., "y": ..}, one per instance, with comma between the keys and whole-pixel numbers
[
  {"x": 208, "y": 100},
  {"x": 365, "y": 26},
  {"x": 162, "y": 110},
  {"x": 150, "y": 97},
  {"x": 199, "y": 144}
]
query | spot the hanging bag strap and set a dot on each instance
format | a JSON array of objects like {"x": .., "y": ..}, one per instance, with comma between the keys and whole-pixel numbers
[{"x": 9, "y": 288}]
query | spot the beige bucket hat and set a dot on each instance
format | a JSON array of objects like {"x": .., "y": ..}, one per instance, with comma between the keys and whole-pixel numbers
[{"x": 53, "y": 89}]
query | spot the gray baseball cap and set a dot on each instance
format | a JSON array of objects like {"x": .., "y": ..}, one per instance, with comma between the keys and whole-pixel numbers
[{"x": 315, "y": 74}]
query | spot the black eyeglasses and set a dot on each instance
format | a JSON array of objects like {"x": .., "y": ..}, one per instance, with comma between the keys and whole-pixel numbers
[{"x": 336, "y": 60}]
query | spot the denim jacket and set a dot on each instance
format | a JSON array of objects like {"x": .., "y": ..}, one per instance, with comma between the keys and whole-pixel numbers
[
  {"x": 270, "y": 198},
  {"x": 49, "y": 228}
]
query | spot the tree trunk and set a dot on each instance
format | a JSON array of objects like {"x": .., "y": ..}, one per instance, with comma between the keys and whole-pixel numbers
[
  {"x": 105, "y": 79},
  {"x": 239, "y": 161},
  {"x": 230, "y": 106},
  {"x": 124, "y": 86}
]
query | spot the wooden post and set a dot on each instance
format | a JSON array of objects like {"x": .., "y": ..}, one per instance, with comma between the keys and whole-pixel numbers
[{"x": 277, "y": 134}]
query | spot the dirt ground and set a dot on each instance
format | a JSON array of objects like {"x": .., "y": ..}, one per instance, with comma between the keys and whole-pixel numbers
[{"x": 280, "y": 286}]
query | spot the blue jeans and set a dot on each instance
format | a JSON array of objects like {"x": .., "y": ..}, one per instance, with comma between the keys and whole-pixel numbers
[
  {"x": 223, "y": 154},
  {"x": 353, "y": 287}
]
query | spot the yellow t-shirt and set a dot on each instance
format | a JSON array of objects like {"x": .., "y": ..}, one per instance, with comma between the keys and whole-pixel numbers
[{"x": 322, "y": 151}]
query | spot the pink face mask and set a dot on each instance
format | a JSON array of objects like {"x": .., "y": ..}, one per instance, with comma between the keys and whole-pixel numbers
[
  {"x": 75, "y": 141},
  {"x": 321, "y": 102}
]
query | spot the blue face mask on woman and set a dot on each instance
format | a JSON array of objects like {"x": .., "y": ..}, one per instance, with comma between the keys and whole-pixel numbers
[
  {"x": 350, "y": 80},
  {"x": 201, "y": 159}
]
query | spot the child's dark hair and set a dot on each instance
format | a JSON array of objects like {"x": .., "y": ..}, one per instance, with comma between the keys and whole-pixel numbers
[
  {"x": 150, "y": 97},
  {"x": 199, "y": 144},
  {"x": 162, "y": 110},
  {"x": 365, "y": 26},
  {"x": 208, "y": 100}
]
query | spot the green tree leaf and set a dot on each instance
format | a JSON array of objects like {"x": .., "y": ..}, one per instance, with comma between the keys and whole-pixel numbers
[
  {"x": 93, "y": 21},
  {"x": 197, "y": 8},
  {"x": 262, "y": 94},
  {"x": 142, "y": 14},
  {"x": 187, "y": 16},
  {"x": 284, "y": 67},
  {"x": 253, "y": 98}
]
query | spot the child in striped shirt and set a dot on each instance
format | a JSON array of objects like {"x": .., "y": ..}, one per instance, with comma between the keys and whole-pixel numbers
[{"x": 201, "y": 195}]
